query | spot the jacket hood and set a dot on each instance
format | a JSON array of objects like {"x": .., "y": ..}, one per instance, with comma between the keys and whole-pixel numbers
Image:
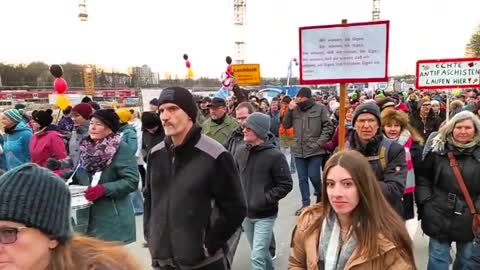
[
  {"x": 126, "y": 127},
  {"x": 261, "y": 147},
  {"x": 21, "y": 126}
]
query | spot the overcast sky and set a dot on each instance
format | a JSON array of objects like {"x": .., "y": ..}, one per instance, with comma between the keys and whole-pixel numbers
[{"x": 121, "y": 33}]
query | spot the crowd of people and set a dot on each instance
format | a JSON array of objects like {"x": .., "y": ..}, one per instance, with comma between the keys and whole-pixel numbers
[{"x": 211, "y": 170}]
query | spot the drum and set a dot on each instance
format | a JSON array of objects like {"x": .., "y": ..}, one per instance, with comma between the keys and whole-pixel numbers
[{"x": 78, "y": 198}]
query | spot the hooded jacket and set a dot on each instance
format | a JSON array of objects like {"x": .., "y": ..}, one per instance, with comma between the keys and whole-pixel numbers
[
  {"x": 193, "y": 199},
  {"x": 16, "y": 145},
  {"x": 47, "y": 144},
  {"x": 78, "y": 134},
  {"x": 235, "y": 140},
  {"x": 265, "y": 177},
  {"x": 312, "y": 128},
  {"x": 129, "y": 136}
]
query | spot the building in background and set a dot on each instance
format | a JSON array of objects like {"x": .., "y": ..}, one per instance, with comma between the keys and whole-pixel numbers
[{"x": 143, "y": 76}]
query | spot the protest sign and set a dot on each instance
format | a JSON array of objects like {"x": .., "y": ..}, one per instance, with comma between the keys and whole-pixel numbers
[{"x": 448, "y": 73}]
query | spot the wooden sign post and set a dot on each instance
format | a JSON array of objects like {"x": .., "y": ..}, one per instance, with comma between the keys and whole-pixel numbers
[{"x": 343, "y": 111}]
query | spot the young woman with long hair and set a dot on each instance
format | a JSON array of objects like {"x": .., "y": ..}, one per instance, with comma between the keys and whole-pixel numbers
[{"x": 354, "y": 227}]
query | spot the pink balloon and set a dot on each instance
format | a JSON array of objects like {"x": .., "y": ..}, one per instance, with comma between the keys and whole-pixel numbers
[
  {"x": 294, "y": 59},
  {"x": 60, "y": 85},
  {"x": 188, "y": 64}
]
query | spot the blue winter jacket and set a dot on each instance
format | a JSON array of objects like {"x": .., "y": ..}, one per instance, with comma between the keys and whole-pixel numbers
[{"x": 16, "y": 146}]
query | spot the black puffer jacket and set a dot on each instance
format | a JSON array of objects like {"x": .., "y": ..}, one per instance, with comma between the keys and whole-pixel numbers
[
  {"x": 441, "y": 205},
  {"x": 392, "y": 179},
  {"x": 265, "y": 177}
]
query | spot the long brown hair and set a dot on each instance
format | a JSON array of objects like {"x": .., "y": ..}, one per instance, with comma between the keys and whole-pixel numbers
[
  {"x": 86, "y": 253},
  {"x": 373, "y": 215}
]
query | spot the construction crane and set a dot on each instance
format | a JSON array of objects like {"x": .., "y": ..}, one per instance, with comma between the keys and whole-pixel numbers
[
  {"x": 239, "y": 21},
  {"x": 376, "y": 10}
]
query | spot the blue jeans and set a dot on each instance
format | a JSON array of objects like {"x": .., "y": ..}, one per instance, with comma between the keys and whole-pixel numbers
[
  {"x": 439, "y": 255},
  {"x": 308, "y": 168},
  {"x": 475, "y": 260},
  {"x": 259, "y": 234}
]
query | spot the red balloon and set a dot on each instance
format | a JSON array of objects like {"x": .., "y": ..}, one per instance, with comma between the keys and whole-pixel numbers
[
  {"x": 294, "y": 59},
  {"x": 60, "y": 85},
  {"x": 188, "y": 64},
  {"x": 229, "y": 70}
]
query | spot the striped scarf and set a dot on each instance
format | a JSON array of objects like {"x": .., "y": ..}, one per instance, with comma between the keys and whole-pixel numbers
[{"x": 405, "y": 139}]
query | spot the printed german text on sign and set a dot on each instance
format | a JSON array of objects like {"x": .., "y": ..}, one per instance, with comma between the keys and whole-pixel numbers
[
  {"x": 246, "y": 74},
  {"x": 448, "y": 73}
]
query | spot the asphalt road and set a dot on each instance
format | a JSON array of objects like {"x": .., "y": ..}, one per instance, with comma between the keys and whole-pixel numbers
[{"x": 283, "y": 229}]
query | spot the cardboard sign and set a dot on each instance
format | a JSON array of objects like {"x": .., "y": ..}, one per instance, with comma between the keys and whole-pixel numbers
[
  {"x": 448, "y": 73},
  {"x": 247, "y": 74},
  {"x": 344, "y": 53}
]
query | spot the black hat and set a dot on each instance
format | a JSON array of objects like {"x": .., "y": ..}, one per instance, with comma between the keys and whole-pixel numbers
[
  {"x": 217, "y": 102},
  {"x": 154, "y": 102},
  {"x": 367, "y": 107},
  {"x": 86, "y": 99},
  {"x": 43, "y": 118},
  {"x": 20, "y": 106},
  {"x": 304, "y": 92},
  {"x": 385, "y": 103},
  {"x": 180, "y": 97},
  {"x": 150, "y": 120},
  {"x": 34, "y": 196},
  {"x": 109, "y": 118},
  {"x": 207, "y": 99}
]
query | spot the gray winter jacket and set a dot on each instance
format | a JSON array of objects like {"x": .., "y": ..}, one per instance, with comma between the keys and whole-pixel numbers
[
  {"x": 78, "y": 134},
  {"x": 312, "y": 126}
]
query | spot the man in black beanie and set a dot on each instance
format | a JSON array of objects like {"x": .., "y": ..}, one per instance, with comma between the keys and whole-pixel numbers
[
  {"x": 153, "y": 132},
  {"x": 312, "y": 127},
  {"x": 193, "y": 197},
  {"x": 386, "y": 157}
]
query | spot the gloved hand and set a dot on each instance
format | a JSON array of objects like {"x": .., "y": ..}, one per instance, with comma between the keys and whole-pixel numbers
[
  {"x": 94, "y": 193},
  {"x": 53, "y": 164}
]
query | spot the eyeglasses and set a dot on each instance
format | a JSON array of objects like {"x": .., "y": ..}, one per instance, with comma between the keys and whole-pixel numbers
[{"x": 8, "y": 235}]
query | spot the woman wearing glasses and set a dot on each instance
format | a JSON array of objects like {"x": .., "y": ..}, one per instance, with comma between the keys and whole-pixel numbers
[
  {"x": 35, "y": 232},
  {"x": 354, "y": 227}
]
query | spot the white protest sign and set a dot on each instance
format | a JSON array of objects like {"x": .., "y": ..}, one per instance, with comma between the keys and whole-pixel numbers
[
  {"x": 344, "y": 53},
  {"x": 448, "y": 73}
]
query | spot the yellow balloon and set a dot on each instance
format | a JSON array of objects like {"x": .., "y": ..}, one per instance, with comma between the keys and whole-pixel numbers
[
  {"x": 190, "y": 73},
  {"x": 62, "y": 102}
]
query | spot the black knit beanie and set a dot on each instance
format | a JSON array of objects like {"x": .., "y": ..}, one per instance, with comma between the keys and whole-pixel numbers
[
  {"x": 367, "y": 107},
  {"x": 304, "y": 92},
  {"x": 180, "y": 97},
  {"x": 43, "y": 118},
  {"x": 150, "y": 120},
  {"x": 34, "y": 196},
  {"x": 109, "y": 118}
]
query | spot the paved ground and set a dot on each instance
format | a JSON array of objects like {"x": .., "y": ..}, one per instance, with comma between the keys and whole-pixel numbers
[{"x": 283, "y": 228}]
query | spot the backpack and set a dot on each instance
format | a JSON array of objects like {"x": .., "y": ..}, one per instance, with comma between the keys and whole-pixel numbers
[{"x": 382, "y": 155}]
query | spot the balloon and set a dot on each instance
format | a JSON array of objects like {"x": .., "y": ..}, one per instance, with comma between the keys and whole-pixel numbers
[
  {"x": 56, "y": 71},
  {"x": 294, "y": 59},
  {"x": 62, "y": 102},
  {"x": 228, "y": 59},
  {"x": 188, "y": 64},
  {"x": 190, "y": 73},
  {"x": 60, "y": 85},
  {"x": 229, "y": 70},
  {"x": 185, "y": 56}
]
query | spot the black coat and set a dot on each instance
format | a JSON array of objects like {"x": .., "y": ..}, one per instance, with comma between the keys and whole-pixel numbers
[
  {"x": 392, "y": 179},
  {"x": 265, "y": 177},
  {"x": 193, "y": 198},
  {"x": 432, "y": 124},
  {"x": 235, "y": 140},
  {"x": 441, "y": 205}
]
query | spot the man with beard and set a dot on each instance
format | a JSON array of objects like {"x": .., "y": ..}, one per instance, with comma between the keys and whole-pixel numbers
[
  {"x": 189, "y": 216},
  {"x": 313, "y": 128},
  {"x": 220, "y": 125}
]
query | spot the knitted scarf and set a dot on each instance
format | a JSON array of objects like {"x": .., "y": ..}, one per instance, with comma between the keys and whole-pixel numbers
[
  {"x": 95, "y": 156},
  {"x": 333, "y": 253}
]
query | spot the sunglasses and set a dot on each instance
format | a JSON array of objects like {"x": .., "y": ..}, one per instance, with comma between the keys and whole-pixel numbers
[{"x": 9, "y": 235}]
